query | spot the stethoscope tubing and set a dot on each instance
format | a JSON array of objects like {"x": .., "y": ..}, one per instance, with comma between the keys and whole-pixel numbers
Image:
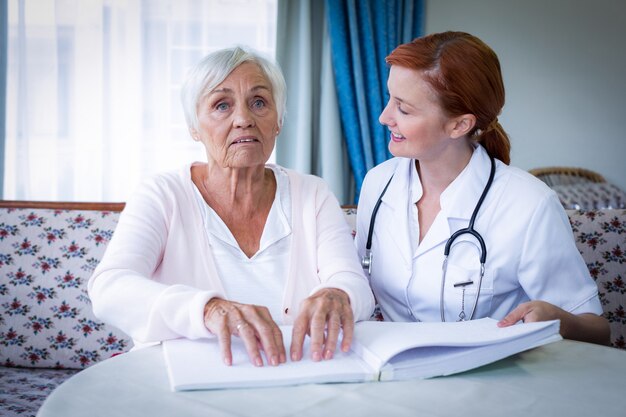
[
  {"x": 483, "y": 248},
  {"x": 366, "y": 262}
]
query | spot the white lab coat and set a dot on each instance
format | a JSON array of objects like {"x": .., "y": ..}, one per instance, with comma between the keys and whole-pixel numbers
[{"x": 531, "y": 254}]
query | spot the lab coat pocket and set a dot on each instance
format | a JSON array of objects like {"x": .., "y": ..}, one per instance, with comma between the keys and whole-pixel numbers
[{"x": 462, "y": 290}]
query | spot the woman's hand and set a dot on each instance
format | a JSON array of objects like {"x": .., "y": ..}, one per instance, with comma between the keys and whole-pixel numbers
[
  {"x": 253, "y": 324},
  {"x": 533, "y": 311},
  {"x": 323, "y": 315},
  {"x": 586, "y": 327}
]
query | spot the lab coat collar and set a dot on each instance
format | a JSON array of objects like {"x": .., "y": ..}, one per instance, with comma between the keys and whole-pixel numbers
[
  {"x": 457, "y": 201},
  {"x": 397, "y": 201},
  {"x": 399, "y": 189},
  {"x": 460, "y": 198}
]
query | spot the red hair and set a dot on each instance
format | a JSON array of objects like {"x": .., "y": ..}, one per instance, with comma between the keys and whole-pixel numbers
[{"x": 465, "y": 75}]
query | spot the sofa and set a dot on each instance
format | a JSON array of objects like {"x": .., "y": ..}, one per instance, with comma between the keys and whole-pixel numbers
[
  {"x": 47, "y": 329},
  {"x": 49, "y": 250}
]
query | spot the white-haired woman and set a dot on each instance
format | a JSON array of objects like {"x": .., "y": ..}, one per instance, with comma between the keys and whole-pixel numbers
[{"x": 234, "y": 246}]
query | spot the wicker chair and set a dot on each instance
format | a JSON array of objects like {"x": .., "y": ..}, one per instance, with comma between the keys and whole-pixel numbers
[
  {"x": 566, "y": 175},
  {"x": 580, "y": 188}
]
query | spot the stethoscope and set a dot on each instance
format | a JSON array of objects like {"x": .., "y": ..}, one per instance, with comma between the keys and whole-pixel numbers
[{"x": 366, "y": 261}]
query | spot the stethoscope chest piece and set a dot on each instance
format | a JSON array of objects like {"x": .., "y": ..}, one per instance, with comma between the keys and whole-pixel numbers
[{"x": 366, "y": 261}]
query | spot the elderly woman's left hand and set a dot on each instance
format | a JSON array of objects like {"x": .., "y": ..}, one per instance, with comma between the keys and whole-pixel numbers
[{"x": 323, "y": 315}]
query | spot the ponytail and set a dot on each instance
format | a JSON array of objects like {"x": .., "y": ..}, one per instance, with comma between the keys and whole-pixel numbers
[{"x": 496, "y": 142}]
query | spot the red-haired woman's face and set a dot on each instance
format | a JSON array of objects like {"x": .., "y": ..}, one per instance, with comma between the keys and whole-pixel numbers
[{"x": 415, "y": 119}]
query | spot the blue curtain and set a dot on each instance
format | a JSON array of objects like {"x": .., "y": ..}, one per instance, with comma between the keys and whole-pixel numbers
[
  {"x": 362, "y": 34},
  {"x": 4, "y": 23}
]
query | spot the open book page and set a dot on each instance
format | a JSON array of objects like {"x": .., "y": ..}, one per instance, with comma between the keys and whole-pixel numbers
[
  {"x": 423, "y": 350},
  {"x": 431, "y": 361},
  {"x": 197, "y": 364}
]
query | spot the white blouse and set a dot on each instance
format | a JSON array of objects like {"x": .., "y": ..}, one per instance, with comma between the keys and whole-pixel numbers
[{"x": 261, "y": 279}]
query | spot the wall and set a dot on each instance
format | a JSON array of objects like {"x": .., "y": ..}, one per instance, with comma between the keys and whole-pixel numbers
[{"x": 564, "y": 66}]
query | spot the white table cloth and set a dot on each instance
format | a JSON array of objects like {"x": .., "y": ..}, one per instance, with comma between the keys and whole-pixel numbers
[{"x": 565, "y": 378}]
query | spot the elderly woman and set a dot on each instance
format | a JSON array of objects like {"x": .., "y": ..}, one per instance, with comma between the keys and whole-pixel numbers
[{"x": 234, "y": 246}]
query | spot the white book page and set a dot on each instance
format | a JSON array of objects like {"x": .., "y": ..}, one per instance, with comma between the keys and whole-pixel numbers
[
  {"x": 197, "y": 364},
  {"x": 378, "y": 342},
  {"x": 431, "y": 361}
]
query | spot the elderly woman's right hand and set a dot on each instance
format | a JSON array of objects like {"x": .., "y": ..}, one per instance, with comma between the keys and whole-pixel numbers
[{"x": 251, "y": 323}]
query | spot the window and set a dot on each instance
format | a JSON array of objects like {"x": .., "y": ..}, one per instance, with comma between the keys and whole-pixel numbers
[{"x": 93, "y": 89}]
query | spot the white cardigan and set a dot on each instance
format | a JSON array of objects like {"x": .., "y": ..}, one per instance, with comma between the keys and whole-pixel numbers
[{"x": 158, "y": 271}]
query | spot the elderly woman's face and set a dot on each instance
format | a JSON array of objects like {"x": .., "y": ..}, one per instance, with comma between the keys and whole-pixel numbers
[{"x": 238, "y": 122}]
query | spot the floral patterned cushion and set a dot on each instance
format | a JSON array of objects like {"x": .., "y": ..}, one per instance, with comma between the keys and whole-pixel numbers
[
  {"x": 601, "y": 239},
  {"x": 46, "y": 259}
]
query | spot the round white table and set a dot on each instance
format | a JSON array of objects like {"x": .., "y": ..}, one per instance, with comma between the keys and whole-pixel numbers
[{"x": 565, "y": 379}]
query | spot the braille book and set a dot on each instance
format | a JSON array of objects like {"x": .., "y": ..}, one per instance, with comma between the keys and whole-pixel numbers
[{"x": 381, "y": 351}]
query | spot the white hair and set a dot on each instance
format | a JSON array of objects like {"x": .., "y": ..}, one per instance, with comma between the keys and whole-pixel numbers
[{"x": 213, "y": 69}]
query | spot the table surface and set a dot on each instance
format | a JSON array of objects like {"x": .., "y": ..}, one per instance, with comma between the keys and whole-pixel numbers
[{"x": 564, "y": 378}]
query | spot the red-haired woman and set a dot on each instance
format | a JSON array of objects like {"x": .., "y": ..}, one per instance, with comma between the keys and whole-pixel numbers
[{"x": 458, "y": 233}]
